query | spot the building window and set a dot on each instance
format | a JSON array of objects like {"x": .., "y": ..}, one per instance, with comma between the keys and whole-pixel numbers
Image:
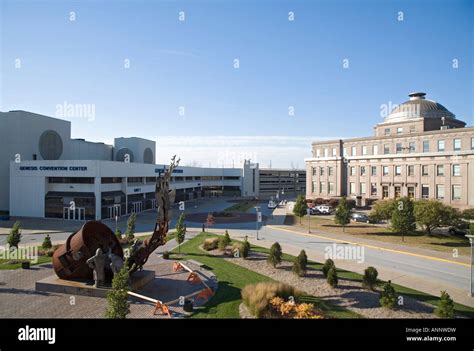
[
  {"x": 399, "y": 130},
  {"x": 440, "y": 191},
  {"x": 314, "y": 171},
  {"x": 375, "y": 149},
  {"x": 399, "y": 148},
  {"x": 472, "y": 143},
  {"x": 334, "y": 152},
  {"x": 362, "y": 188},
  {"x": 321, "y": 171},
  {"x": 426, "y": 146},
  {"x": 424, "y": 170},
  {"x": 457, "y": 144},
  {"x": 411, "y": 170},
  {"x": 315, "y": 184},
  {"x": 387, "y": 131},
  {"x": 411, "y": 192},
  {"x": 386, "y": 149},
  {"x": 398, "y": 170},
  {"x": 411, "y": 146},
  {"x": 385, "y": 170},
  {"x": 398, "y": 192},
  {"x": 412, "y": 129},
  {"x": 441, "y": 146},
  {"x": 456, "y": 193},
  {"x": 456, "y": 170},
  {"x": 362, "y": 170},
  {"x": 353, "y": 151},
  {"x": 353, "y": 171},
  {"x": 373, "y": 170},
  {"x": 326, "y": 152},
  {"x": 364, "y": 150},
  {"x": 385, "y": 192},
  {"x": 352, "y": 187},
  {"x": 321, "y": 187},
  {"x": 344, "y": 152},
  {"x": 331, "y": 188},
  {"x": 440, "y": 170},
  {"x": 425, "y": 191},
  {"x": 318, "y": 153},
  {"x": 330, "y": 171},
  {"x": 373, "y": 189}
]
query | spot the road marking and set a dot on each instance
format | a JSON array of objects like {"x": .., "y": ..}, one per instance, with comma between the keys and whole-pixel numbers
[{"x": 374, "y": 247}]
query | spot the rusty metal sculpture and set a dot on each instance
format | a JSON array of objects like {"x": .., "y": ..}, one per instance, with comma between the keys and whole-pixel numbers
[{"x": 70, "y": 259}]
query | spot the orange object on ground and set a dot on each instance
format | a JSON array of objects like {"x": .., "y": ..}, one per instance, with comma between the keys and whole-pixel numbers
[
  {"x": 163, "y": 308},
  {"x": 194, "y": 278},
  {"x": 177, "y": 267},
  {"x": 205, "y": 294}
]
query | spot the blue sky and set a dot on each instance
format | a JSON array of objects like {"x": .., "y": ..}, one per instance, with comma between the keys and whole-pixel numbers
[{"x": 231, "y": 113}]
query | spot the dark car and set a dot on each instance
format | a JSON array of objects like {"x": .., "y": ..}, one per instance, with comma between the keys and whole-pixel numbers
[
  {"x": 461, "y": 228},
  {"x": 360, "y": 217}
]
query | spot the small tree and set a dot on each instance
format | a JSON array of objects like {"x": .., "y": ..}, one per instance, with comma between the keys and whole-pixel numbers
[
  {"x": 247, "y": 246},
  {"x": 382, "y": 210},
  {"x": 432, "y": 214},
  {"x": 275, "y": 255},
  {"x": 332, "y": 277},
  {"x": 130, "y": 233},
  {"x": 224, "y": 241},
  {"x": 117, "y": 303},
  {"x": 210, "y": 220},
  {"x": 445, "y": 307},
  {"x": 403, "y": 217},
  {"x": 300, "y": 207},
  {"x": 47, "y": 244},
  {"x": 327, "y": 266},
  {"x": 343, "y": 213},
  {"x": 370, "y": 278},
  {"x": 180, "y": 231},
  {"x": 14, "y": 237},
  {"x": 300, "y": 265},
  {"x": 388, "y": 297}
]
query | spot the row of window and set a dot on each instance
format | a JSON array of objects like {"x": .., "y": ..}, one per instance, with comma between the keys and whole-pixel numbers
[
  {"x": 388, "y": 131},
  {"x": 410, "y": 170},
  {"x": 399, "y": 148}
]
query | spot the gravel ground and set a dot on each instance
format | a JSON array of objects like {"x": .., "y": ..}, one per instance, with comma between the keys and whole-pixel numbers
[{"x": 348, "y": 294}]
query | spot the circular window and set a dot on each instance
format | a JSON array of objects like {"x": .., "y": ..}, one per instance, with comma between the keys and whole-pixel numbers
[
  {"x": 148, "y": 155},
  {"x": 50, "y": 145},
  {"x": 122, "y": 154}
]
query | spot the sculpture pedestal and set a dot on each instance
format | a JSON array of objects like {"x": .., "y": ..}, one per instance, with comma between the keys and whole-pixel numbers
[{"x": 53, "y": 284}]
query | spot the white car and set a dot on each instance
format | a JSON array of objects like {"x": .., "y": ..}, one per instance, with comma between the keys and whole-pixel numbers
[
  {"x": 272, "y": 205},
  {"x": 324, "y": 209}
]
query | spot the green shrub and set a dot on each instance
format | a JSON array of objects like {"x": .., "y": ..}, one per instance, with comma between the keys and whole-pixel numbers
[
  {"x": 117, "y": 298},
  {"x": 300, "y": 265},
  {"x": 445, "y": 307},
  {"x": 210, "y": 244},
  {"x": 257, "y": 297},
  {"x": 14, "y": 237},
  {"x": 274, "y": 258},
  {"x": 332, "y": 277},
  {"x": 370, "y": 278},
  {"x": 130, "y": 233},
  {"x": 327, "y": 266},
  {"x": 388, "y": 297},
  {"x": 224, "y": 241},
  {"x": 241, "y": 249},
  {"x": 47, "y": 244},
  {"x": 118, "y": 233}
]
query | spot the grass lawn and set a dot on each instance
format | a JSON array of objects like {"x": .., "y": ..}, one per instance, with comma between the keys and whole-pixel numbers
[
  {"x": 4, "y": 265},
  {"x": 436, "y": 242},
  {"x": 242, "y": 206},
  {"x": 232, "y": 278}
]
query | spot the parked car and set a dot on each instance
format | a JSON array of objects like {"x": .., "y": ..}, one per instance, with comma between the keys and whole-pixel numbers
[
  {"x": 360, "y": 217},
  {"x": 461, "y": 228},
  {"x": 324, "y": 209},
  {"x": 314, "y": 211}
]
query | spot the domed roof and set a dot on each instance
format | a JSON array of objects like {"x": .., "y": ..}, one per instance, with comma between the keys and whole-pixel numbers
[{"x": 418, "y": 107}]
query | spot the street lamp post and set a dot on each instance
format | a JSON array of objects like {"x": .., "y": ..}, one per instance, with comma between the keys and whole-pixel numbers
[
  {"x": 471, "y": 282},
  {"x": 308, "y": 212},
  {"x": 257, "y": 208}
]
